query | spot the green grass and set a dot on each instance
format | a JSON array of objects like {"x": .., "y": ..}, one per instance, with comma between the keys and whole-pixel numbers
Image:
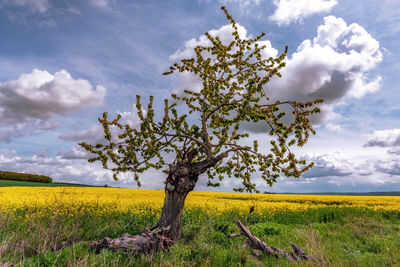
[
  {"x": 334, "y": 236},
  {"x": 25, "y": 183}
]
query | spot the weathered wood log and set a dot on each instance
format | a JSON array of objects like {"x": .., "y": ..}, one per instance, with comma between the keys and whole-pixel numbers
[
  {"x": 145, "y": 242},
  {"x": 295, "y": 255}
]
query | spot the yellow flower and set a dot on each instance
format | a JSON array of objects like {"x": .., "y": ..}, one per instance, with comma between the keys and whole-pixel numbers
[{"x": 97, "y": 200}]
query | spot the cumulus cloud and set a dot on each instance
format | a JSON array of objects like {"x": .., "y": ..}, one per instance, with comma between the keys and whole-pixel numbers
[
  {"x": 390, "y": 165},
  {"x": 384, "y": 138},
  {"x": 333, "y": 66},
  {"x": 131, "y": 117},
  {"x": 288, "y": 11},
  {"x": 35, "y": 6},
  {"x": 329, "y": 165},
  {"x": 225, "y": 35},
  {"x": 42, "y": 95},
  {"x": 394, "y": 151},
  {"x": 31, "y": 101}
]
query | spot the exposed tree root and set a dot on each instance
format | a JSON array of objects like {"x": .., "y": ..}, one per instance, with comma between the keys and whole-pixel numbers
[
  {"x": 146, "y": 242},
  {"x": 295, "y": 255}
]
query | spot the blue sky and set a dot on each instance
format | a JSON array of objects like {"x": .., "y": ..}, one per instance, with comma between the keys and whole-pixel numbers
[{"x": 64, "y": 62}]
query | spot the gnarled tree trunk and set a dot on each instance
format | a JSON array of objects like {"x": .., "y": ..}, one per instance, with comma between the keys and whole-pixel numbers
[{"x": 181, "y": 179}]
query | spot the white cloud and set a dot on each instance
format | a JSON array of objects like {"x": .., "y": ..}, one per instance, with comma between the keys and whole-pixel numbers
[
  {"x": 329, "y": 165},
  {"x": 394, "y": 151},
  {"x": 131, "y": 117},
  {"x": 332, "y": 66},
  {"x": 225, "y": 35},
  {"x": 42, "y": 95},
  {"x": 384, "y": 138},
  {"x": 35, "y": 6},
  {"x": 390, "y": 165},
  {"x": 30, "y": 102},
  {"x": 334, "y": 127},
  {"x": 295, "y": 10}
]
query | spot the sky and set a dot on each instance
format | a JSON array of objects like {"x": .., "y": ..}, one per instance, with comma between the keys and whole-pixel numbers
[{"x": 64, "y": 62}]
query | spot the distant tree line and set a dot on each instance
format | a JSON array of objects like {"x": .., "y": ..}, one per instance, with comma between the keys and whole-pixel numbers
[{"x": 15, "y": 176}]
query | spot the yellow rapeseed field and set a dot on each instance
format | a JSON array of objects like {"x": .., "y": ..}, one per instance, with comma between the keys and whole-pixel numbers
[{"x": 76, "y": 200}]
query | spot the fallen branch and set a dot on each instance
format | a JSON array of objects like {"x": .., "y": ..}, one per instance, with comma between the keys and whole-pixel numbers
[
  {"x": 296, "y": 254},
  {"x": 145, "y": 242}
]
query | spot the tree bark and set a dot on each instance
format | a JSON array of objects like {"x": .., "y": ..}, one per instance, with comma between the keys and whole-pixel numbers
[{"x": 181, "y": 180}]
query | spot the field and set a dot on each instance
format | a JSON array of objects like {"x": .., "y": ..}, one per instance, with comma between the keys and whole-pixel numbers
[{"x": 49, "y": 226}]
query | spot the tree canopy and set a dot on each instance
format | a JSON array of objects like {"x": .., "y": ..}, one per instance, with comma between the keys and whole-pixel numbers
[{"x": 205, "y": 127}]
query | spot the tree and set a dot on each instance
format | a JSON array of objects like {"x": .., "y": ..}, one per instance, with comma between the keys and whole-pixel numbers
[{"x": 206, "y": 137}]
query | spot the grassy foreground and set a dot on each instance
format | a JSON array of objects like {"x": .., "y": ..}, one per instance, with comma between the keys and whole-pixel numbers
[{"x": 340, "y": 233}]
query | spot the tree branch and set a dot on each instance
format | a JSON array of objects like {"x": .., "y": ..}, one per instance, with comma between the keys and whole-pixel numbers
[
  {"x": 194, "y": 139},
  {"x": 295, "y": 255},
  {"x": 217, "y": 108},
  {"x": 206, "y": 135}
]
